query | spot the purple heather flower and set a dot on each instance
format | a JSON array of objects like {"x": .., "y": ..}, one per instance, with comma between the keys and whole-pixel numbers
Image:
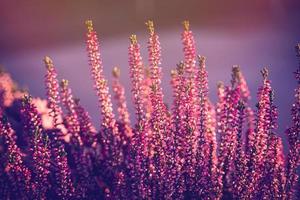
[
  {"x": 265, "y": 124},
  {"x": 87, "y": 130},
  {"x": 52, "y": 88},
  {"x": 80, "y": 157},
  {"x": 228, "y": 130},
  {"x": 147, "y": 87},
  {"x": 206, "y": 157},
  {"x": 119, "y": 91},
  {"x": 142, "y": 132},
  {"x": 39, "y": 148},
  {"x": 189, "y": 49},
  {"x": 161, "y": 139},
  {"x": 178, "y": 127},
  {"x": 239, "y": 178},
  {"x": 109, "y": 136},
  {"x": 18, "y": 174},
  {"x": 64, "y": 187},
  {"x": 100, "y": 83},
  {"x": 72, "y": 121},
  {"x": 189, "y": 105},
  {"x": 273, "y": 180}
]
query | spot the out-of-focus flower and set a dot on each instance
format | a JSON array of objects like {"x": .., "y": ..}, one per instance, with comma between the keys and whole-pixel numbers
[{"x": 121, "y": 104}]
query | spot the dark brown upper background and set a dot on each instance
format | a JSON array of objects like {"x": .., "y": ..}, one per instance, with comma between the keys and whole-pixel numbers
[{"x": 34, "y": 23}]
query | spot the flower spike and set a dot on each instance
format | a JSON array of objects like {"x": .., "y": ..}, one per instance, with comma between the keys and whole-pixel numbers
[
  {"x": 53, "y": 97},
  {"x": 39, "y": 148},
  {"x": 72, "y": 117},
  {"x": 119, "y": 91},
  {"x": 161, "y": 140},
  {"x": 100, "y": 83}
]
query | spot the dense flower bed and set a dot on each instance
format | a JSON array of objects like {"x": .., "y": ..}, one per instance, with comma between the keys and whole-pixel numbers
[{"x": 195, "y": 149}]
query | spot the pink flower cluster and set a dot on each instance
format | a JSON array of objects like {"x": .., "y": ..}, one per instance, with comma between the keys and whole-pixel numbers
[{"x": 49, "y": 149}]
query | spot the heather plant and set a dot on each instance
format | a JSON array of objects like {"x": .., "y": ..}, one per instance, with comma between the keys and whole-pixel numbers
[{"x": 196, "y": 149}]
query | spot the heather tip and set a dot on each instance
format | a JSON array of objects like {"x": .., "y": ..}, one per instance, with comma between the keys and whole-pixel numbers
[
  {"x": 116, "y": 72},
  {"x": 236, "y": 69},
  {"x": 153, "y": 87},
  {"x": 64, "y": 83},
  {"x": 180, "y": 68},
  {"x": 220, "y": 84},
  {"x": 26, "y": 99},
  {"x": 89, "y": 25},
  {"x": 186, "y": 25},
  {"x": 265, "y": 73},
  {"x": 201, "y": 60},
  {"x": 150, "y": 26},
  {"x": 133, "y": 39},
  {"x": 48, "y": 62},
  {"x": 235, "y": 74}
]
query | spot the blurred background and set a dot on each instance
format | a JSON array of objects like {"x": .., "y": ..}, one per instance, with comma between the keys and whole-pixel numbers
[{"x": 252, "y": 34}]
